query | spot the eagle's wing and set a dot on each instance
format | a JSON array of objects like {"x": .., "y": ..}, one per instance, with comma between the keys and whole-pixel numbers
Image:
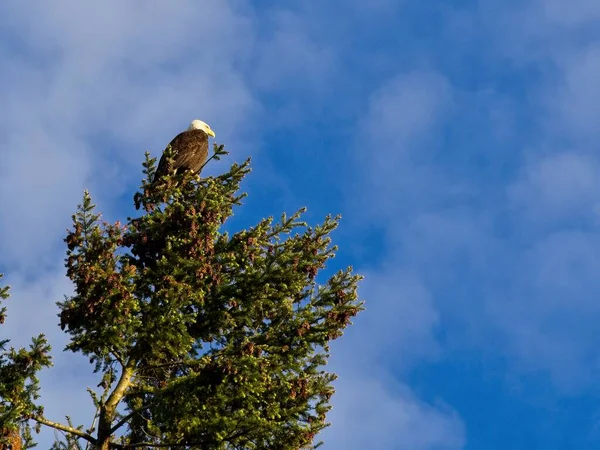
[{"x": 190, "y": 152}]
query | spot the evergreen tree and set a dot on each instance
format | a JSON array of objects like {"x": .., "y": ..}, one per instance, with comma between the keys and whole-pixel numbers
[{"x": 204, "y": 340}]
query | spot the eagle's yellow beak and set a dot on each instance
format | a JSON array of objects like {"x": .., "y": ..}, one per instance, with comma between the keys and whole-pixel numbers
[{"x": 210, "y": 132}]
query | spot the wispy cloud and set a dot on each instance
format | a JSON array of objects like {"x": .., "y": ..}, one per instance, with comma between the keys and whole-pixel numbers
[
  {"x": 87, "y": 89},
  {"x": 397, "y": 139},
  {"x": 394, "y": 178},
  {"x": 372, "y": 412},
  {"x": 114, "y": 81},
  {"x": 558, "y": 186},
  {"x": 464, "y": 135},
  {"x": 372, "y": 406}
]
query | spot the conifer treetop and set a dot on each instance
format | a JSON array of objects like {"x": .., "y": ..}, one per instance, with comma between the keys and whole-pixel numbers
[{"x": 203, "y": 339}]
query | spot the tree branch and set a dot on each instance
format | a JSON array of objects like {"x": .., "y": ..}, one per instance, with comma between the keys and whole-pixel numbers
[
  {"x": 152, "y": 444},
  {"x": 124, "y": 382},
  {"x": 169, "y": 364},
  {"x": 124, "y": 420},
  {"x": 65, "y": 428},
  {"x": 178, "y": 444},
  {"x": 117, "y": 357}
]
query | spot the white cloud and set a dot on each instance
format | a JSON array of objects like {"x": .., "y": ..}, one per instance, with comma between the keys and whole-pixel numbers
[
  {"x": 114, "y": 76},
  {"x": 577, "y": 98},
  {"x": 405, "y": 108},
  {"x": 371, "y": 412},
  {"x": 86, "y": 90},
  {"x": 559, "y": 185},
  {"x": 532, "y": 295},
  {"x": 372, "y": 409},
  {"x": 397, "y": 330},
  {"x": 91, "y": 87},
  {"x": 538, "y": 232},
  {"x": 396, "y": 146},
  {"x": 394, "y": 178},
  {"x": 557, "y": 12},
  {"x": 400, "y": 322},
  {"x": 290, "y": 54},
  {"x": 104, "y": 82},
  {"x": 546, "y": 318}
]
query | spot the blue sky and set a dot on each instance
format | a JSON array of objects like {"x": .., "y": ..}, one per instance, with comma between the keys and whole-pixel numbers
[{"x": 457, "y": 139}]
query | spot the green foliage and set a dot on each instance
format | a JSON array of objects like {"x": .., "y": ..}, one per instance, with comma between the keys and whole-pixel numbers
[
  {"x": 209, "y": 340},
  {"x": 19, "y": 385}
]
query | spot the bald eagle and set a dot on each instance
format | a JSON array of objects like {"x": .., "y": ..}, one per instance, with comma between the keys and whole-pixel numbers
[{"x": 190, "y": 150}]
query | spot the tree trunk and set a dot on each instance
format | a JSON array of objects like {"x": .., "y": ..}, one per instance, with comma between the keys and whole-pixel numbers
[
  {"x": 107, "y": 411},
  {"x": 14, "y": 440}
]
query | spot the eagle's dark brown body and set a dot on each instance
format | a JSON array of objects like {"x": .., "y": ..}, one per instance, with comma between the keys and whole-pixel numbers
[{"x": 190, "y": 150}]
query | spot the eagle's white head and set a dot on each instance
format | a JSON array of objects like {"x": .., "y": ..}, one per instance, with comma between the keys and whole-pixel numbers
[{"x": 199, "y": 125}]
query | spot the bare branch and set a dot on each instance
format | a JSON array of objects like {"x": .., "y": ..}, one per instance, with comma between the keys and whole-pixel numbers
[{"x": 66, "y": 428}]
